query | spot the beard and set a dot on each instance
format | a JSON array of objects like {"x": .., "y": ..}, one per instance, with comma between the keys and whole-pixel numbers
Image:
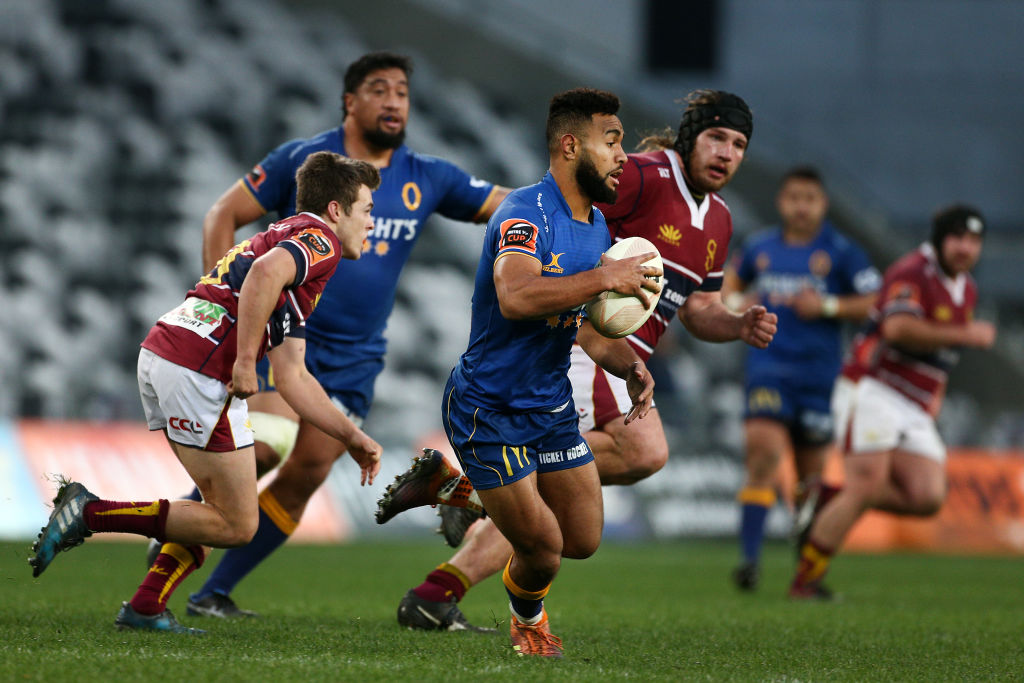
[
  {"x": 381, "y": 140},
  {"x": 592, "y": 183}
]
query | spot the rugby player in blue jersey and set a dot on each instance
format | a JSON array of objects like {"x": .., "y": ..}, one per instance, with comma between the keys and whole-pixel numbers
[
  {"x": 813, "y": 278},
  {"x": 345, "y": 339},
  {"x": 507, "y": 408}
]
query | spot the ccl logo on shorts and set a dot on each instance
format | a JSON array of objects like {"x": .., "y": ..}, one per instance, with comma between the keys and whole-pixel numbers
[{"x": 183, "y": 425}]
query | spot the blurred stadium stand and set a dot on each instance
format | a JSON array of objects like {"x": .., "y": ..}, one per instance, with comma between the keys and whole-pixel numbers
[{"x": 121, "y": 121}]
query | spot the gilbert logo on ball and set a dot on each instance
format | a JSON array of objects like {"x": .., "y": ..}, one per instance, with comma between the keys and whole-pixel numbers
[{"x": 617, "y": 315}]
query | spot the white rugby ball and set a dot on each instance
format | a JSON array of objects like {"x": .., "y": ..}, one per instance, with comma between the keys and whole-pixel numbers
[{"x": 617, "y": 315}]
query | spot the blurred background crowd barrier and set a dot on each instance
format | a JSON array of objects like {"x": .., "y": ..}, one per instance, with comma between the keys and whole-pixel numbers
[{"x": 121, "y": 121}]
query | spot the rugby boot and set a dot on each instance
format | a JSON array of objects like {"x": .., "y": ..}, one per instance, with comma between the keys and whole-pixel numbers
[
  {"x": 66, "y": 527},
  {"x": 415, "y": 613},
  {"x": 217, "y": 606},
  {"x": 417, "y": 486},
  {"x": 746, "y": 576},
  {"x": 129, "y": 620},
  {"x": 455, "y": 522},
  {"x": 536, "y": 640}
]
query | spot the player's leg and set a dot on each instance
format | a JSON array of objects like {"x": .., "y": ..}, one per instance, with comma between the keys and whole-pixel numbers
[
  {"x": 281, "y": 505},
  {"x": 866, "y": 475},
  {"x": 766, "y": 440},
  {"x": 519, "y": 512}
]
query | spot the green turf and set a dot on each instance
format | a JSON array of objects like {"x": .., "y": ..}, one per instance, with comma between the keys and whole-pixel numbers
[{"x": 644, "y": 612}]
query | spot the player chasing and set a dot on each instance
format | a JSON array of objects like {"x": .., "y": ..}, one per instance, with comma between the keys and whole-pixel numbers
[
  {"x": 196, "y": 368},
  {"x": 667, "y": 195},
  {"x": 813, "y": 278},
  {"x": 894, "y": 456},
  {"x": 345, "y": 338}
]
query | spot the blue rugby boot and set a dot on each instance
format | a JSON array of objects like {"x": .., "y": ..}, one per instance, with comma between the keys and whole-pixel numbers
[
  {"x": 66, "y": 527},
  {"x": 128, "y": 619}
]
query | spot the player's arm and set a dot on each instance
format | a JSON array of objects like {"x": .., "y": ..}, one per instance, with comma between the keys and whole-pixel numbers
[
  {"x": 497, "y": 196},
  {"x": 305, "y": 395},
  {"x": 707, "y": 318},
  {"x": 734, "y": 291},
  {"x": 525, "y": 294},
  {"x": 618, "y": 357},
  {"x": 914, "y": 333},
  {"x": 809, "y": 304},
  {"x": 235, "y": 208}
]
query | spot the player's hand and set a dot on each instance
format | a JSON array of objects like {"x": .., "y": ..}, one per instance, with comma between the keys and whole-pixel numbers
[
  {"x": 981, "y": 334},
  {"x": 630, "y": 276},
  {"x": 244, "y": 382},
  {"x": 758, "y": 327},
  {"x": 640, "y": 385},
  {"x": 807, "y": 304},
  {"x": 366, "y": 452}
]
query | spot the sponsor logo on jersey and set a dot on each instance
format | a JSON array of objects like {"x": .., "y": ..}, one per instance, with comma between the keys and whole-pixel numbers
[
  {"x": 664, "y": 173},
  {"x": 552, "y": 265},
  {"x": 382, "y": 248},
  {"x": 764, "y": 400},
  {"x": 517, "y": 233},
  {"x": 943, "y": 313},
  {"x": 183, "y": 425},
  {"x": 476, "y": 182},
  {"x": 256, "y": 177},
  {"x": 411, "y": 196},
  {"x": 316, "y": 243},
  {"x": 906, "y": 291},
  {"x": 394, "y": 228},
  {"x": 670, "y": 234},
  {"x": 820, "y": 263},
  {"x": 567, "y": 455},
  {"x": 197, "y": 315}
]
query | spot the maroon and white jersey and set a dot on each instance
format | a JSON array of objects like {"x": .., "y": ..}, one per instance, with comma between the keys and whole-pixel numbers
[
  {"x": 917, "y": 285},
  {"x": 655, "y": 203},
  {"x": 200, "y": 334}
]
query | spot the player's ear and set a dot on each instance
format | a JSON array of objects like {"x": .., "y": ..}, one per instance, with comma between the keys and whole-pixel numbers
[
  {"x": 349, "y": 98},
  {"x": 570, "y": 145}
]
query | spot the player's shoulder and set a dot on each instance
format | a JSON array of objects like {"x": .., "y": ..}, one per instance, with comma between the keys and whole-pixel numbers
[
  {"x": 300, "y": 148},
  {"x": 837, "y": 240},
  {"x": 763, "y": 238},
  {"x": 913, "y": 265}
]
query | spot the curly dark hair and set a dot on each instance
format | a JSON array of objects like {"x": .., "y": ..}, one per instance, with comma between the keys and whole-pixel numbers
[
  {"x": 374, "y": 61},
  {"x": 572, "y": 110}
]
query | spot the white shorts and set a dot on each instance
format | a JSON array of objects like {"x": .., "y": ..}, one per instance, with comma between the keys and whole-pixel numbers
[
  {"x": 882, "y": 419},
  {"x": 843, "y": 394},
  {"x": 600, "y": 397},
  {"x": 194, "y": 410}
]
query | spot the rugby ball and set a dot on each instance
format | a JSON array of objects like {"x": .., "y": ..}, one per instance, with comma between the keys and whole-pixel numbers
[{"x": 617, "y": 315}]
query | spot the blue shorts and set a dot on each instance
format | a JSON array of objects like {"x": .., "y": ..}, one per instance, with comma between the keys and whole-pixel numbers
[
  {"x": 805, "y": 408},
  {"x": 496, "y": 449},
  {"x": 349, "y": 382}
]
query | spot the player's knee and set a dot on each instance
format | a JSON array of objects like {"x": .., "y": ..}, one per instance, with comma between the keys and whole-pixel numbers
[
  {"x": 266, "y": 459},
  {"x": 927, "y": 498},
  {"x": 239, "y": 532},
  {"x": 647, "y": 462},
  {"x": 581, "y": 548}
]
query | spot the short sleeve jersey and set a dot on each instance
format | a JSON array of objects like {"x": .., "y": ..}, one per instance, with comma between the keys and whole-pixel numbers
[
  {"x": 357, "y": 302},
  {"x": 200, "y": 334},
  {"x": 522, "y": 365},
  {"x": 830, "y": 264},
  {"x": 693, "y": 238},
  {"x": 918, "y": 286}
]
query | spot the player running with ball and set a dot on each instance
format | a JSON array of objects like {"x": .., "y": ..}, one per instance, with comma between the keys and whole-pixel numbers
[{"x": 666, "y": 195}]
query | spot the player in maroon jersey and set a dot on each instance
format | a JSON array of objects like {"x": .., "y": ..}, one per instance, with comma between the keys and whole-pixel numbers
[
  {"x": 198, "y": 364},
  {"x": 667, "y": 195},
  {"x": 894, "y": 456}
]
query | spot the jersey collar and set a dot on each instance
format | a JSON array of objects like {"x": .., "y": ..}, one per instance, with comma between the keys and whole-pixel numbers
[
  {"x": 697, "y": 213},
  {"x": 560, "y": 199}
]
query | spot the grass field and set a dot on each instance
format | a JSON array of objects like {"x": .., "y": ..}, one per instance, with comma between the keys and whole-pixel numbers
[{"x": 644, "y": 612}]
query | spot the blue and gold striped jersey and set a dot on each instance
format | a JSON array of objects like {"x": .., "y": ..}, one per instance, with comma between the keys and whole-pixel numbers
[
  {"x": 354, "y": 309},
  {"x": 522, "y": 365}
]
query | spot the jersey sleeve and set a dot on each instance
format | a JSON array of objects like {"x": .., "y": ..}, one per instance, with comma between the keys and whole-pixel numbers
[
  {"x": 516, "y": 230},
  {"x": 859, "y": 275},
  {"x": 316, "y": 254},
  {"x": 902, "y": 292},
  {"x": 462, "y": 195},
  {"x": 271, "y": 181},
  {"x": 630, "y": 188}
]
